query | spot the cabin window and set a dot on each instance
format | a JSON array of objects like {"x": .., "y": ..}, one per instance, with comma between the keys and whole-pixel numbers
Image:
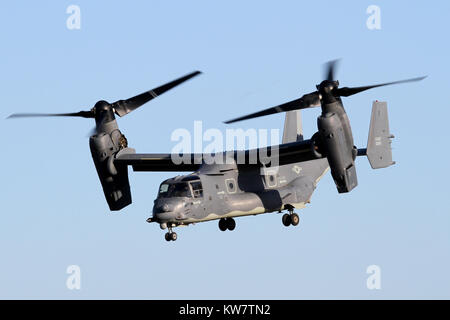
[
  {"x": 231, "y": 185},
  {"x": 197, "y": 189},
  {"x": 271, "y": 179}
]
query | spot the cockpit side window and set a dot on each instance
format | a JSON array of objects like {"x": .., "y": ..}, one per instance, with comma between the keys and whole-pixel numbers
[
  {"x": 197, "y": 189},
  {"x": 163, "y": 189},
  {"x": 179, "y": 189}
]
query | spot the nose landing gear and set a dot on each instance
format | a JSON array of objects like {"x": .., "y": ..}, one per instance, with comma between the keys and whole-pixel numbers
[
  {"x": 290, "y": 218},
  {"x": 171, "y": 236}
]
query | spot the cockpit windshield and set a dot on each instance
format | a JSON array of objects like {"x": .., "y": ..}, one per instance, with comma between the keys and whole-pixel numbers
[{"x": 179, "y": 189}]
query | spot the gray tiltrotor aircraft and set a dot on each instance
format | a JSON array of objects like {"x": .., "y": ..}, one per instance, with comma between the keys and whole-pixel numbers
[{"x": 240, "y": 183}]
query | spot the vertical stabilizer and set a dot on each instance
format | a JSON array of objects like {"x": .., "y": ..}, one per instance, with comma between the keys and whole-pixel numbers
[
  {"x": 293, "y": 130},
  {"x": 379, "y": 150}
]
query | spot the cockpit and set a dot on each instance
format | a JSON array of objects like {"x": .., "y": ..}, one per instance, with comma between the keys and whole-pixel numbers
[
  {"x": 188, "y": 187},
  {"x": 180, "y": 189}
]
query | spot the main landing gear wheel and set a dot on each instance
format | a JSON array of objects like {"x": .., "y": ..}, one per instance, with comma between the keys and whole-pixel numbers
[
  {"x": 231, "y": 224},
  {"x": 223, "y": 225},
  {"x": 286, "y": 219},
  {"x": 295, "y": 219},
  {"x": 227, "y": 224},
  {"x": 290, "y": 218}
]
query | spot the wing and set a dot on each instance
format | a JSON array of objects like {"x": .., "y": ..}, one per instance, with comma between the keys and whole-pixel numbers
[
  {"x": 272, "y": 156},
  {"x": 159, "y": 162}
]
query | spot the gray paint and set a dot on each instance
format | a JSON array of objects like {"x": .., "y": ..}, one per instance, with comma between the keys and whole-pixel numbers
[
  {"x": 231, "y": 189},
  {"x": 255, "y": 189},
  {"x": 379, "y": 150},
  {"x": 293, "y": 130},
  {"x": 251, "y": 187}
]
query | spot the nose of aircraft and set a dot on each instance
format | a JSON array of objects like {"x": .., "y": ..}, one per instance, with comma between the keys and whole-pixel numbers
[{"x": 169, "y": 209}]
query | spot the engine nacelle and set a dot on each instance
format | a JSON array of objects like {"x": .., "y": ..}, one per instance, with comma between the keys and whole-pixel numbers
[
  {"x": 339, "y": 151},
  {"x": 104, "y": 147}
]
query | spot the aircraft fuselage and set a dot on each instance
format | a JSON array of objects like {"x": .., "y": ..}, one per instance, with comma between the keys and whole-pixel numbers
[{"x": 213, "y": 193}]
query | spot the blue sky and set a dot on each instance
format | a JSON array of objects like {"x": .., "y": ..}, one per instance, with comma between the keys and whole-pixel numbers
[{"x": 253, "y": 54}]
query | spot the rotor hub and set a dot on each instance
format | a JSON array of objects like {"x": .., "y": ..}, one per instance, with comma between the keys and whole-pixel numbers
[
  {"x": 103, "y": 111},
  {"x": 327, "y": 86},
  {"x": 326, "y": 90}
]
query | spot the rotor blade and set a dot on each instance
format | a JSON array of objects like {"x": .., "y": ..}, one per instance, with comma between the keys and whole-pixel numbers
[
  {"x": 330, "y": 68},
  {"x": 346, "y": 91},
  {"x": 123, "y": 107},
  {"x": 82, "y": 114},
  {"x": 307, "y": 101}
]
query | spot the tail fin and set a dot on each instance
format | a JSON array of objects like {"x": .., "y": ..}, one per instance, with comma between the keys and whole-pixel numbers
[
  {"x": 379, "y": 150},
  {"x": 292, "y": 127}
]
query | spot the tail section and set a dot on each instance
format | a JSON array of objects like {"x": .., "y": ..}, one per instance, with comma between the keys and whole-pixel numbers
[
  {"x": 379, "y": 151},
  {"x": 293, "y": 130}
]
